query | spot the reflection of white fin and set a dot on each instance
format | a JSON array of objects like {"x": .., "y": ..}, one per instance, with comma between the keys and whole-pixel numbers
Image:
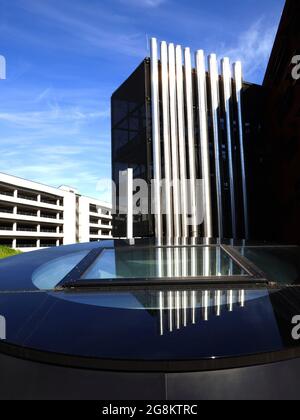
[
  {"x": 2, "y": 328},
  {"x": 161, "y": 304},
  {"x": 218, "y": 302},
  {"x": 230, "y": 300},
  {"x": 170, "y": 304},
  {"x": 182, "y": 306},
  {"x": 242, "y": 298},
  {"x": 2, "y": 68}
]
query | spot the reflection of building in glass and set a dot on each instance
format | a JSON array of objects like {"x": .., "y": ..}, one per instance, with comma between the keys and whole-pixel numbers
[
  {"x": 178, "y": 309},
  {"x": 168, "y": 262}
]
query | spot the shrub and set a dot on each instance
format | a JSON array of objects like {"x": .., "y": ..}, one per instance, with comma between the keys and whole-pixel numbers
[{"x": 7, "y": 252}]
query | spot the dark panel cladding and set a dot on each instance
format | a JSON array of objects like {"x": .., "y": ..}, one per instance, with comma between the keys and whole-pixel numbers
[
  {"x": 259, "y": 197},
  {"x": 131, "y": 141},
  {"x": 282, "y": 136}
]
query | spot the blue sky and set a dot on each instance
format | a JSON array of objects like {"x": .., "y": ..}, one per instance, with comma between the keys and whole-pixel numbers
[{"x": 66, "y": 57}]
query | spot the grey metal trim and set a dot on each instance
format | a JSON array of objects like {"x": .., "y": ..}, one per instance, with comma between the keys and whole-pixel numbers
[
  {"x": 78, "y": 271},
  {"x": 130, "y": 233},
  {"x": 227, "y": 91},
  {"x": 161, "y": 310},
  {"x": 238, "y": 77},
  {"x": 248, "y": 266},
  {"x": 215, "y": 104},
  {"x": 191, "y": 138},
  {"x": 204, "y": 142},
  {"x": 166, "y": 139},
  {"x": 181, "y": 140},
  {"x": 174, "y": 142},
  {"x": 156, "y": 137},
  {"x": 270, "y": 365},
  {"x": 183, "y": 281}
]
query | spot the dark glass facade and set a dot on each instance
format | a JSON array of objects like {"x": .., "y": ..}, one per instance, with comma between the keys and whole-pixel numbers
[
  {"x": 254, "y": 103},
  {"x": 281, "y": 141},
  {"x": 131, "y": 141}
]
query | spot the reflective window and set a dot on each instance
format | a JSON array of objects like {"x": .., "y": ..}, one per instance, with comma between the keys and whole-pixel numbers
[
  {"x": 280, "y": 264},
  {"x": 49, "y": 275},
  {"x": 162, "y": 262}
]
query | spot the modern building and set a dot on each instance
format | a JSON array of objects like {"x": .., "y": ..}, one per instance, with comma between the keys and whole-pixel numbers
[
  {"x": 184, "y": 319},
  {"x": 188, "y": 122},
  {"x": 34, "y": 216},
  {"x": 95, "y": 220},
  {"x": 198, "y": 119}
]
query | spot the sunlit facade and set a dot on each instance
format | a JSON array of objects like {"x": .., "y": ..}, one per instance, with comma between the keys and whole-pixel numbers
[
  {"x": 179, "y": 118},
  {"x": 34, "y": 216}
]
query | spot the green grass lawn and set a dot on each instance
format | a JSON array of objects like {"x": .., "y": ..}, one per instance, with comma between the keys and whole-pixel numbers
[{"x": 7, "y": 252}]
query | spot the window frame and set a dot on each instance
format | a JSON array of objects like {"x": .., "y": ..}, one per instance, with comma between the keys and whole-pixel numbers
[{"x": 253, "y": 275}]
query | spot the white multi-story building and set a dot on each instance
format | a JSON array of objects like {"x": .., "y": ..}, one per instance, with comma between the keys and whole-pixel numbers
[
  {"x": 95, "y": 219},
  {"x": 34, "y": 216}
]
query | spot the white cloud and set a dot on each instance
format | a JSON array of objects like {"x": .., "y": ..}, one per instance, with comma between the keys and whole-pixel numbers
[
  {"x": 78, "y": 166},
  {"x": 44, "y": 119},
  {"x": 92, "y": 31},
  {"x": 253, "y": 49},
  {"x": 56, "y": 136},
  {"x": 144, "y": 3}
]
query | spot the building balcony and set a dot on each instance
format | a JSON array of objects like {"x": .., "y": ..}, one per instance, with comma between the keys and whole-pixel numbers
[
  {"x": 95, "y": 225},
  {"x": 95, "y": 214},
  {"x": 105, "y": 227},
  {"x": 100, "y": 237},
  {"x": 8, "y": 215},
  {"x": 106, "y": 217},
  {"x": 29, "y": 234},
  {"x": 100, "y": 215},
  {"x": 7, "y": 193},
  {"x": 100, "y": 226},
  {"x": 29, "y": 201},
  {"x": 6, "y": 228}
]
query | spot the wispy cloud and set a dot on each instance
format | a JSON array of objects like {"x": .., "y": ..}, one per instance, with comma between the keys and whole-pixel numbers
[
  {"x": 44, "y": 119},
  {"x": 53, "y": 110},
  {"x": 98, "y": 30},
  {"x": 144, "y": 3},
  {"x": 75, "y": 165},
  {"x": 54, "y": 136},
  {"x": 253, "y": 49}
]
